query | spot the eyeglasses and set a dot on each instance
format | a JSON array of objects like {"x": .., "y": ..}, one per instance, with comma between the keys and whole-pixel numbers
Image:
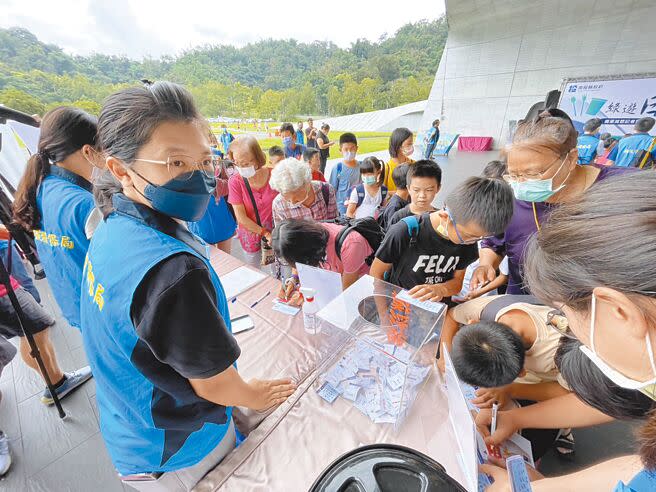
[
  {"x": 557, "y": 320},
  {"x": 462, "y": 241},
  {"x": 183, "y": 166},
  {"x": 520, "y": 178}
]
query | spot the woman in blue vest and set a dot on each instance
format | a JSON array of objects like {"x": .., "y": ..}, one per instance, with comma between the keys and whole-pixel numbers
[
  {"x": 595, "y": 260},
  {"x": 155, "y": 320},
  {"x": 55, "y": 200}
]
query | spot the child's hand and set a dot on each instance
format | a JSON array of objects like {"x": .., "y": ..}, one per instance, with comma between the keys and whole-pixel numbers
[
  {"x": 427, "y": 292},
  {"x": 496, "y": 469},
  {"x": 473, "y": 294},
  {"x": 484, "y": 274},
  {"x": 506, "y": 426},
  {"x": 485, "y": 397}
]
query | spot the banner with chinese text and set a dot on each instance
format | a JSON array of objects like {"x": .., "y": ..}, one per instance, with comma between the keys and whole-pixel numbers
[{"x": 618, "y": 103}]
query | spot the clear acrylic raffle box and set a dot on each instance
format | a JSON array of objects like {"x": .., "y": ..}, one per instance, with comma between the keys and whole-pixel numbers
[{"x": 389, "y": 350}]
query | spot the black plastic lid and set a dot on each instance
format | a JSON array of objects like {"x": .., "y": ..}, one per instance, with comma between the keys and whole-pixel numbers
[{"x": 385, "y": 468}]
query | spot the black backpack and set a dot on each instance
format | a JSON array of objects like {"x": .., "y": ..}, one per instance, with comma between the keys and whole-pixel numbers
[{"x": 367, "y": 226}]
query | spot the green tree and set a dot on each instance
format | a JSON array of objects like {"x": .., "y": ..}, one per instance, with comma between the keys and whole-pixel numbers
[
  {"x": 21, "y": 101},
  {"x": 269, "y": 78}
]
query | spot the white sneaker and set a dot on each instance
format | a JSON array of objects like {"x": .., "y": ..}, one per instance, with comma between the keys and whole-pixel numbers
[{"x": 5, "y": 455}]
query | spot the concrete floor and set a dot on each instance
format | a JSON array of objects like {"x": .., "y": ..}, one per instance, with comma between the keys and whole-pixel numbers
[
  {"x": 69, "y": 455},
  {"x": 51, "y": 454}
]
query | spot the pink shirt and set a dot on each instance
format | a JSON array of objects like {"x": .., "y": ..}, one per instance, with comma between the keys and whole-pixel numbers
[
  {"x": 14, "y": 285},
  {"x": 354, "y": 251},
  {"x": 238, "y": 195}
]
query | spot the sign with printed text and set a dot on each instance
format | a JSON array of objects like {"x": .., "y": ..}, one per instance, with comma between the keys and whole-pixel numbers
[{"x": 617, "y": 103}]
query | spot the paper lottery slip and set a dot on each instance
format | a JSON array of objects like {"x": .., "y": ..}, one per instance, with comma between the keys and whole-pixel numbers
[{"x": 373, "y": 377}]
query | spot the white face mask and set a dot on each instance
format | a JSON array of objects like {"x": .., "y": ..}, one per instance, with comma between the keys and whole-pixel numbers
[
  {"x": 647, "y": 387},
  {"x": 408, "y": 151},
  {"x": 95, "y": 174},
  {"x": 246, "y": 172},
  {"x": 349, "y": 156}
]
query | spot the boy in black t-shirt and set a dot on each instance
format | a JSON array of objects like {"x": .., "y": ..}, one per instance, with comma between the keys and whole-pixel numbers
[
  {"x": 431, "y": 261},
  {"x": 424, "y": 181}
]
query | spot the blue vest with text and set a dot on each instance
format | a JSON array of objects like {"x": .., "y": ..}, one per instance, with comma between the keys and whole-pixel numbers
[
  {"x": 64, "y": 201},
  {"x": 587, "y": 147},
  {"x": 628, "y": 147},
  {"x": 150, "y": 417}
]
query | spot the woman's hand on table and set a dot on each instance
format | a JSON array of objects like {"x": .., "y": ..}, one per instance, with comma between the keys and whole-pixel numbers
[
  {"x": 270, "y": 393},
  {"x": 286, "y": 291},
  {"x": 496, "y": 469},
  {"x": 296, "y": 299}
]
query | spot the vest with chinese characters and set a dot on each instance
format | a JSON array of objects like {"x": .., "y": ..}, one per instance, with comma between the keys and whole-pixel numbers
[
  {"x": 150, "y": 417},
  {"x": 64, "y": 201}
]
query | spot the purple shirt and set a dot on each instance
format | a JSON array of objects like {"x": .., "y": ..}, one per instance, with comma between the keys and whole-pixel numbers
[{"x": 522, "y": 226}]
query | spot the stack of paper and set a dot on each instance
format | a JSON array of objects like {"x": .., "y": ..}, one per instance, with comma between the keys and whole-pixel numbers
[
  {"x": 373, "y": 381},
  {"x": 239, "y": 280}
]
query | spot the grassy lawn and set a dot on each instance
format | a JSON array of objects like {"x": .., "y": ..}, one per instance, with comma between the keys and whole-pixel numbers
[{"x": 367, "y": 141}]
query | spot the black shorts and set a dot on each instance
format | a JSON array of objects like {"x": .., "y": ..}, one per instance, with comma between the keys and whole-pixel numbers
[{"x": 38, "y": 318}]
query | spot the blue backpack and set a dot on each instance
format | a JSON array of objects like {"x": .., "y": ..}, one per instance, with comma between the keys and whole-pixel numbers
[
  {"x": 361, "y": 193},
  {"x": 412, "y": 223}
]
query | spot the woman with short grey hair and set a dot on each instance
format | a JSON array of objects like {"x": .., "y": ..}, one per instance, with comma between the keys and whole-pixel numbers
[{"x": 300, "y": 197}]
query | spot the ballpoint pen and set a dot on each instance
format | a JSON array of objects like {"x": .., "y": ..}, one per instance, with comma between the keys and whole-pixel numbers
[{"x": 260, "y": 299}]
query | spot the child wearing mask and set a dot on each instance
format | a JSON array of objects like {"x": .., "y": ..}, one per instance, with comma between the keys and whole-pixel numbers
[
  {"x": 424, "y": 181},
  {"x": 291, "y": 147},
  {"x": 367, "y": 197},
  {"x": 346, "y": 173},
  {"x": 401, "y": 148},
  {"x": 429, "y": 254}
]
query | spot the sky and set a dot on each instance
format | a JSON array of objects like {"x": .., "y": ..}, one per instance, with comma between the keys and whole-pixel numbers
[{"x": 138, "y": 28}]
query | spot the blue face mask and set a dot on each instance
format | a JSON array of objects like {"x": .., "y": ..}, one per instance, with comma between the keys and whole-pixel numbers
[
  {"x": 287, "y": 142},
  {"x": 369, "y": 180},
  {"x": 537, "y": 190},
  {"x": 185, "y": 197}
]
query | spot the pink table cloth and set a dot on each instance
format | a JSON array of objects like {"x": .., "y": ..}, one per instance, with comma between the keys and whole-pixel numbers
[
  {"x": 278, "y": 346},
  {"x": 474, "y": 144}
]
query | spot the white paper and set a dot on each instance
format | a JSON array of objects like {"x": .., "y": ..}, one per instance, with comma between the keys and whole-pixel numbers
[
  {"x": 28, "y": 134},
  {"x": 239, "y": 280},
  {"x": 433, "y": 307},
  {"x": 343, "y": 310},
  {"x": 374, "y": 382},
  {"x": 326, "y": 284},
  {"x": 328, "y": 393}
]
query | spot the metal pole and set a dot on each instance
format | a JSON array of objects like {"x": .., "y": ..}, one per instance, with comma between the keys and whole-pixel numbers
[{"x": 26, "y": 329}]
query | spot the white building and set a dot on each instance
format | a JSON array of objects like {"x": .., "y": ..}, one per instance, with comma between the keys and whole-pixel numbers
[{"x": 502, "y": 56}]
